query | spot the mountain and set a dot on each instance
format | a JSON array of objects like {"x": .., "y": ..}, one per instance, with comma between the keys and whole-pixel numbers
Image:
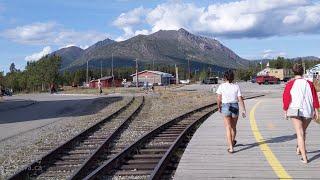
[
  {"x": 68, "y": 54},
  {"x": 100, "y": 44},
  {"x": 305, "y": 58},
  {"x": 163, "y": 47}
]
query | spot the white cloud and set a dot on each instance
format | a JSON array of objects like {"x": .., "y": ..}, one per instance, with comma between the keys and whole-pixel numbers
[
  {"x": 270, "y": 54},
  {"x": 51, "y": 33},
  {"x": 66, "y": 46},
  {"x": 36, "y": 56},
  {"x": 238, "y": 19},
  {"x": 130, "y": 18},
  {"x": 128, "y": 33},
  {"x": 84, "y": 46},
  {"x": 126, "y": 22}
]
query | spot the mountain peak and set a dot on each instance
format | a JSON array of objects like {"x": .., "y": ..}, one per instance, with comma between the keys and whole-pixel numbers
[
  {"x": 183, "y": 30},
  {"x": 102, "y": 43}
]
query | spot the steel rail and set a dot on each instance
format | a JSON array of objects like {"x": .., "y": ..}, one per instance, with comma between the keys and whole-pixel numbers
[
  {"x": 84, "y": 170},
  {"x": 111, "y": 165},
  {"x": 119, "y": 159},
  {"x": 36, "y": 166}
]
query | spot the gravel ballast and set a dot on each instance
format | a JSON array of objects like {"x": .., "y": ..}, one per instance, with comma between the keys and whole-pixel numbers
[{"x": 20, "y": 150}]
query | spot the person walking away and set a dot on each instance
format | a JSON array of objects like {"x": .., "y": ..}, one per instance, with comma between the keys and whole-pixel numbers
[
  {"x": 228, "y": 98},
  {"x": 301, "y": 104},
  {"x": 1, "y": 93},
  {"x": 100, "y": 86}
]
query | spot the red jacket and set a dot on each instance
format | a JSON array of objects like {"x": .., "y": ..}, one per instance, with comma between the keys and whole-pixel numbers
[{"x": 291, "y": 90}]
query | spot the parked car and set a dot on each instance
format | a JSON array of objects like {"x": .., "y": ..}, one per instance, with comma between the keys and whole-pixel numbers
[
  {"x": 6, "y": 92},
  {"x": 210, "y": 80},
  {"x": 140, "y": 84},
  {"x": 185, "y": 81},
  {"x": 253, "y": 80},
  {"x": 267, "y": 80}
]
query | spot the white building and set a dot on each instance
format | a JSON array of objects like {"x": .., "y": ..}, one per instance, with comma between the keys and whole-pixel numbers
[{"x": 313, "y": 73}]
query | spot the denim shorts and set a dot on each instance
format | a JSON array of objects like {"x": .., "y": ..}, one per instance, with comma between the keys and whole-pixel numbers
[{"x": 230, "y": 109}]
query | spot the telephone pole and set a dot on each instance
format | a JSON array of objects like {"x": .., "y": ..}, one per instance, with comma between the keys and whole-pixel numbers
[
  {"x": 189, "y": 70},
  {"x": 112, "y": 69},
  {"x": 137, "y": 81},
  {"x": 177, "y": 74},
  {"x": 87, "y": 79},
  {"x": 152, "y": 64},
  {"x": 100, "y": 68}
]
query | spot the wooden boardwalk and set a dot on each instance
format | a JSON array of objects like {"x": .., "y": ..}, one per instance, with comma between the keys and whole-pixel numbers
[{"x": 265, "y": 150}]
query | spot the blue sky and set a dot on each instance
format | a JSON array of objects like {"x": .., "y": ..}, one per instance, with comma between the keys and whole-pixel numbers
[{"x": 251, "y": 28}]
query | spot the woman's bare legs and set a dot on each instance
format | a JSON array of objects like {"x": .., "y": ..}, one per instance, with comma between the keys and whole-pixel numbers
[
  {"x": 305, "y": 124},
  {"x": 228, "y": 126},
  {"x": 234, "y": 129},
  {"x": 300, "y": 131}
]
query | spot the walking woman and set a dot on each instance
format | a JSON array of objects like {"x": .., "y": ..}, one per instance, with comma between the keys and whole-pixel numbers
[
  {"x": 301, "y": 104},
  {"x": 229, "y": 96}
]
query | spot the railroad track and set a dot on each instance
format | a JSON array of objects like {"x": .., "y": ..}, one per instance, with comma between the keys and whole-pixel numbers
[
  {"x": 71, "y": 158},
  {"x": 149, "y": 156},
  {"x": 156, "y": 154}
]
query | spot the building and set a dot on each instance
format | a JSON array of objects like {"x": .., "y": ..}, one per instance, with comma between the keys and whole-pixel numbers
[
  {"x": 153, "y": 77},
  {"x": 105, "y": 82},
  {"x": 313, "y": 73}
]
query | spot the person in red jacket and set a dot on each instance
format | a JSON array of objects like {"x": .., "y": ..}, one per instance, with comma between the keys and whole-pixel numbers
[{"x": 301, "y": 104}]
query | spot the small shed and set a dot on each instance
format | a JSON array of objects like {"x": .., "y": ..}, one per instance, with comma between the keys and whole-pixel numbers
[
  {"x": 153, "y": 77},
  {"x": 105, "y": 82}
]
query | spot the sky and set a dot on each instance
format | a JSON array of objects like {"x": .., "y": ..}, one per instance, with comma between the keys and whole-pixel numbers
[{"x": 253, "y": 29}]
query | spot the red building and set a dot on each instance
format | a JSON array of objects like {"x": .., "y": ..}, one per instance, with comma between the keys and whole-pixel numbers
[{"x": 105, "y": 82}]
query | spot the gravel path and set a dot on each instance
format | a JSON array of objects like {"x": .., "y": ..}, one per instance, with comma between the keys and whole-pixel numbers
[{"x": 19, "y": 151}]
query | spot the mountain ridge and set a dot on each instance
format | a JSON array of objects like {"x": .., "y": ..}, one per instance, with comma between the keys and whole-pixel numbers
[{"x": 162, "y": 47}]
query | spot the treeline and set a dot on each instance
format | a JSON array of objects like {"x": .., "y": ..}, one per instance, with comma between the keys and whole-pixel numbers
[
  {"x": 40, "y": 75},
  {"x": 278, "y": 63},
  {"x": 282, "y": 62},
  {"x": 37, "y": 76}
]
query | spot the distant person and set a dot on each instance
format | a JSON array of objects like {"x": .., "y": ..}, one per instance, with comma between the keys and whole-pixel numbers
[
  {"x": 1, "y": 92},
  {"x": 301, "y": 104},
  {"x": 53, "y": 89},
  {"x": 100, "y": 86},
  {"x": 229, "y": 96}
]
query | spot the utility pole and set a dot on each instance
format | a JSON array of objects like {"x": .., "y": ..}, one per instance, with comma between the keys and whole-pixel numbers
[
  {"x": 100, "y": 68},
  {"x": 177, "y": 74},
  {"x": 137, "y": 81},
  {"x": 189, "y": 74},
  {"x": 152, "y": 64},
  {"x": 112, "y": 69},
  {"x": 87, "y": 79}
]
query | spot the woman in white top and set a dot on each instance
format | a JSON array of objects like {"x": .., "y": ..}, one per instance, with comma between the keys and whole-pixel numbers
[{"x": 229, "y": 95}]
